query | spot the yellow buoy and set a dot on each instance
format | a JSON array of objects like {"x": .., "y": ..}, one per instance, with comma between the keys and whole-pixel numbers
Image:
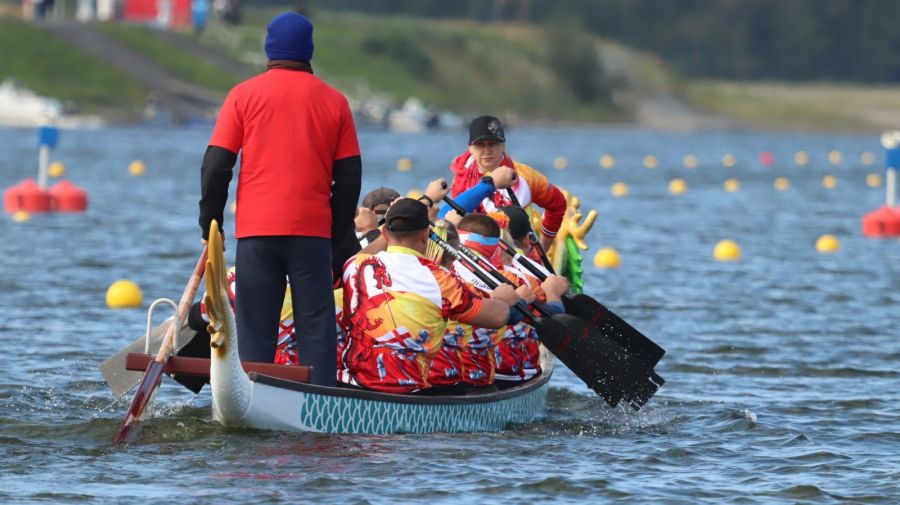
[
  {"x": 607, "y": 258},
  {"x": 124, "y": 294},
  {"x": 867, "y": 158},
  {"x": 560, "y": 163},
  {"x": 727, "y": 250},
  {"x": 650, "y": 161},
  {"x": 829, "y": 182},
  {"x": 607, "y": 161},
  {"x": 137, "y": 167},
  {"x": 873, "y": 180},
  {"x": 677, "y": 186},
  {"x": 620, "y": 189},
  {"x": 782, "y": 183},
  {"x": 827, "y": 244},
  {"x": 835, "y": 157},
  {"x": 728, "y": 160},
  {"x": 56, "y": 169},
  {"x": 20, "y": 216},
  {"x": 414, "y": 194},
  {"x": 404, "y": 164},
  {"x": 801, "y": 158},
  {"x": 690, "y": 161},
  {"x": 233, "y": 207},
  {"x": 732, "y": 185}
]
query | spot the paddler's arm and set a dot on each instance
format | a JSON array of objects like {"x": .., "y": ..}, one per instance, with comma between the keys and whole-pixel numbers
[
  {"x": 215, "y": 176},
  {"x": 347, "y": 177}
]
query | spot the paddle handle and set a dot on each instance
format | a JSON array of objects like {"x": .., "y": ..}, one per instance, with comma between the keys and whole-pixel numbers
[
  {"x": 481, "y": 268},
  {"x": 537, "y": 243},
  {"x": 508, "y": 249},
  {"x": 184, "y": 305}
]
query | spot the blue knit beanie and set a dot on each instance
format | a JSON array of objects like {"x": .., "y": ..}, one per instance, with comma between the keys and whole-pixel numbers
[{"x": 289, "y": 36}]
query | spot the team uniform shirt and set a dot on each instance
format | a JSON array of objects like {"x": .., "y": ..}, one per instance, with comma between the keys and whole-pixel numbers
[
  {"x": 290, "y": 127},
  {"x": 481, "y": 360},
  {"x": 531, "y": 187},
  {"x": 516, "y": 348},
  {"x": 396, "y": 307}
]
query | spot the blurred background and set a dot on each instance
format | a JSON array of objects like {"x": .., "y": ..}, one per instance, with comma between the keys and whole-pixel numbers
[{"x": 410, "y": 65}]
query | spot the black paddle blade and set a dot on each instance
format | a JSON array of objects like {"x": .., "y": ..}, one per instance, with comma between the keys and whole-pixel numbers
[
  {"x": 601, "y": 363},
  {"x": 614, "y": 327}
]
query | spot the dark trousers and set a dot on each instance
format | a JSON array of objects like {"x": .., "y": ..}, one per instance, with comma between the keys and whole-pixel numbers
[{"x": 261, "y": 265}]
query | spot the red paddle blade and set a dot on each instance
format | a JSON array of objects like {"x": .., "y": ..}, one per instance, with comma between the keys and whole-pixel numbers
[{"x": 149, "y": 383}]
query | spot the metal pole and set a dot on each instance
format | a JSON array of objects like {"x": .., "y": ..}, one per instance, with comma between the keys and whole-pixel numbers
[
  {"x": 891, "y": 187},
  {"x": 43, "y": 157}
]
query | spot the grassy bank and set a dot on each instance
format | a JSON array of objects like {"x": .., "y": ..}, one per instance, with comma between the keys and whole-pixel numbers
[
  {"x": 800, "y": 106},
  {"x": 40, "y": 62},
  {"x": 148, "y": 42},
  {"x": 457, "y": 65}
]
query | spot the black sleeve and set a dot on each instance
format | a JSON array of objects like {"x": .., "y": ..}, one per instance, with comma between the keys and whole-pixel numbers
[
  {"x": 347, "y": 180},
  {"x": 215, "y": 176}
]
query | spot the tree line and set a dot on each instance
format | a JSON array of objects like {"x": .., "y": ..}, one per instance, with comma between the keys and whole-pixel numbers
[{"x": 793, "y": 40}]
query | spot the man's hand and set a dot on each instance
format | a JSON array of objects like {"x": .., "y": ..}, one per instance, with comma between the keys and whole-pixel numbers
[
  {"x": 437, "y": 190},
  {"x": 453, "y": 217},
  {"x": 366, "y": 220},
  {"x": 554, "y": 287},
  {"x": 505, "y": 293},
  {"x": 504, "y": 177},
  {"x": 526, "y": 293}
]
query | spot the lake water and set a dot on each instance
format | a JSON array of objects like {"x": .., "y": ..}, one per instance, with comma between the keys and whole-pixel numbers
[{"x": 781, "y": 368}]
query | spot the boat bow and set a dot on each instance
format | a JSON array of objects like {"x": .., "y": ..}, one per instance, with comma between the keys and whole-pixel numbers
[{"x": 231, "y": 387}]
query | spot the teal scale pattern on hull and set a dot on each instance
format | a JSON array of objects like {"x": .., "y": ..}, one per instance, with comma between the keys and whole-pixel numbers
[{"x": 330, "y": 414}]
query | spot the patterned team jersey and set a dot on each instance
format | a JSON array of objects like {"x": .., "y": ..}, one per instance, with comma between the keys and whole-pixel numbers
[
  {"x": 515, "y": 348},
  {"x": 396, "y": 307}
]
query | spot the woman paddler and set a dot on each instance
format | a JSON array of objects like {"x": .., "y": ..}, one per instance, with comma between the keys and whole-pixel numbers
[{"x": 486, "y": 153}]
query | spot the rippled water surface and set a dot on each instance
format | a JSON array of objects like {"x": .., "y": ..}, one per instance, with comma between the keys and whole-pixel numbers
[{"x": 781, "y": 368}]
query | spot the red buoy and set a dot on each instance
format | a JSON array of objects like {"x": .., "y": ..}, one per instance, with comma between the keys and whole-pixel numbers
[
  {"x": 883, "y": 222},
  {"x": 67, "y": 197},
  {"x": 27, "y": 196},
  {"x": 766, "y": 158}
]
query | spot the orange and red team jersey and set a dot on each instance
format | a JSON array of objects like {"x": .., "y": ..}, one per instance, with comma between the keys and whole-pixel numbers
[
  {"x": 531, "y": 187},
  {"x": 479, "y": 352},
  {"x": 515, "y": 348},
  {"x": 290, "y": 127},
  {"x": 396, "y": 307}
]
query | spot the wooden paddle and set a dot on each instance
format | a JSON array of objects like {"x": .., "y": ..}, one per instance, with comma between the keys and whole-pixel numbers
[
  {"x": 153, "y": 374},
  {"x": 590, "y": 310},
  {"x": 602, "y": 364}
]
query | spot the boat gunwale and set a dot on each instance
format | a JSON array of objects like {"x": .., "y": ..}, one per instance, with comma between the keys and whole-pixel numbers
[{"x": 378, "y": 396}]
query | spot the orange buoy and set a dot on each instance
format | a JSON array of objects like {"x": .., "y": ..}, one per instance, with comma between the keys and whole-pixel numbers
[
  {"x": 27, "y": 196},
  {"x": 883, "y": 222},
  {"x": 67, "y": 197}
]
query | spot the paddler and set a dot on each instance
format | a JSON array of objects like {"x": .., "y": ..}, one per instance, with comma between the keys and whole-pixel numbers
[{"x": 486, "y": 153}]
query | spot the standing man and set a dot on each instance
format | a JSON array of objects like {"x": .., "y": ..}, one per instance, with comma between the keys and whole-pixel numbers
[{"x": 297, "y": 190}]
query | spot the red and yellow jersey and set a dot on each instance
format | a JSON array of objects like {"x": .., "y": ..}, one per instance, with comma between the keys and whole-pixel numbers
[{"x": 396, "y": 307}]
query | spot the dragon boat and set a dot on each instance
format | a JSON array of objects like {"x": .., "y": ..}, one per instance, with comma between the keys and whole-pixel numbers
[{"x": 278, "y": 397}]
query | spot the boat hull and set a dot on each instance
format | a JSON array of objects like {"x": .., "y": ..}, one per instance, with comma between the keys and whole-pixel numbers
[{"x": 278, "y": 404}]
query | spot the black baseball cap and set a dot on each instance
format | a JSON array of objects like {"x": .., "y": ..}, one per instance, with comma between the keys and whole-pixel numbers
[
  {"x": 407, "y": 214},
  {"x": 519, "y": 223},
  {"x": 379, "y": 196},
  {"x": 486, "y": 128}
]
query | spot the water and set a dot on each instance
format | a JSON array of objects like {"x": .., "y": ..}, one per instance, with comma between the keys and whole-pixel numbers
[{"x": 781, "y": 368}]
